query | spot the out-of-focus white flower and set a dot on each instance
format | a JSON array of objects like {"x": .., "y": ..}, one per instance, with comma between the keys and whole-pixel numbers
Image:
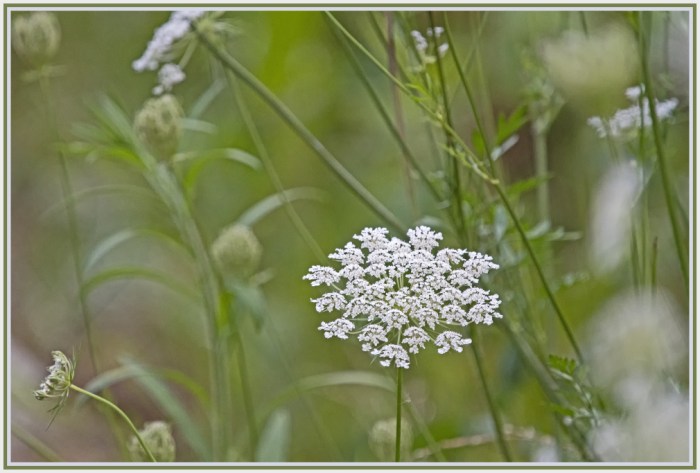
[
  {"x": 164, "y": 37},
  {"x": 636, "y": 345},
  {"x": 423, "y": 44},
  {"x": 168, "y": 76},
  {"x": 401, "y": 295},
  {"x": 636, "y": 334},
  {"x": 611, "y": 216},
  {"x": 589, "y": 67},
  {"x": 626, "y": 122},
  {"x": 654, "y": 428}
]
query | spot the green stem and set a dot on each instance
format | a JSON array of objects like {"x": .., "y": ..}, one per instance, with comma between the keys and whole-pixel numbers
[
  {"x": 495, "y": 414},
  {"x": 506, "y": 202},
  {"x": 399, "y": 404},
  {"x": 116, "y": 409},
  {"x": 395, "y": 132},
  {"x": 298, "y": 127},
  {"x": 35, "y": 444},
  {"x": 540, "y": 272},
  {"x": 398, "y": 110},
  {"x": 661, "y": 154},
  {"x": 247, "y": 394},
  {"x": 456, "y": 184},
  {"x": 74, "y": 239},
  {"x": 71, "y": 214},
  {"x": 271, "y": 171},
  {"x": 170, "y": 191}
]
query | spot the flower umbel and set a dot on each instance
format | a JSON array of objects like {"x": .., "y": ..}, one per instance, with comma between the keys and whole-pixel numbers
[
  {"x": 57, "y": 383},
  {"x": 397, "y": 296},
  {"x": 627, "y": 121}
]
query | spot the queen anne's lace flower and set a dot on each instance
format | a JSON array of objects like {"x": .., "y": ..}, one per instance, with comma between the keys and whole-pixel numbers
[{"x": 397, "y": 296}]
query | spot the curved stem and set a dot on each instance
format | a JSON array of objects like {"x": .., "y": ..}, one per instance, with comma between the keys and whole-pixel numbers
[
  {"x": 298, "y": 127},
  {"x": 247, "y": 394},
  {"x": 116, "y": 409},
  {"x": 497, "y": 420},
  {"x": 399, "y": 403}
]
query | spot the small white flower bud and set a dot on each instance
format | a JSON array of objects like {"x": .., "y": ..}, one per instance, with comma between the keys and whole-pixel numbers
[
  {"x": 159, "y": 125},
  {"x": 36, "y": 37},
  {"x": 237, "y": 251},
  {"x": 158, "y": 437}
]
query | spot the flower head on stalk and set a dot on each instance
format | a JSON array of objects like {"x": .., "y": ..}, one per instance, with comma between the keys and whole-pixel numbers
[
  {"x": 58, "y": 382},
  {"x": 398, "y": 296},
  {"x": 626, "y": 122}
]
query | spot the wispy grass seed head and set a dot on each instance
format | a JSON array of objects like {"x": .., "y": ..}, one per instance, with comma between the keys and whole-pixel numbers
[{"x": 398, "y": 296}]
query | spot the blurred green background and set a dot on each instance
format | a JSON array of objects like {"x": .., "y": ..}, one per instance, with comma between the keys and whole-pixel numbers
[{"x": 296, "y": 55}]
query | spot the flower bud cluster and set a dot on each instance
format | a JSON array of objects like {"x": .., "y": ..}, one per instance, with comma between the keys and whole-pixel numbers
[
  {"x": 159, "y": 125},
  {"x": 158, "y": 437},
  {"x": 36, "y": 37}
]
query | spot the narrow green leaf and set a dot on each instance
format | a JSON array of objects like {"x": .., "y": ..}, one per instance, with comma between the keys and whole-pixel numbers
[
  {"x": 206, "y": 99},
  {"x": 116, "y": 239},
  {"x": 275, "y": 438},
  {"x": 261, "y": 209},
  {"x": 88, "y": 194},
  {"x": 92, "y": 283},
  {"x": 250, "y": 300},
  {"x": 172, "y": 407},
  {"x": 337, "y": 378},
  {"x": 201, "y": 126}
]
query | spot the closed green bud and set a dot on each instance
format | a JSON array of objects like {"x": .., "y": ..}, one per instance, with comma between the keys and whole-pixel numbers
[
  {"x": 159, "y": 125},
  {"x": 158, "y": 437},
  {"x": 36, "y": 37},
  {"x": 237, "y": 251},
  {"x": 382, "y": 439}
]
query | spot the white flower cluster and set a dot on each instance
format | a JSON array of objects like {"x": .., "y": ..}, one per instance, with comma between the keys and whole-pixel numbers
[
  {"x": 159, "y": 48},
  {"x": 398, "y": 296},
  {"x": 627, "y": 121},
  {"x": 422, "y": 44}
]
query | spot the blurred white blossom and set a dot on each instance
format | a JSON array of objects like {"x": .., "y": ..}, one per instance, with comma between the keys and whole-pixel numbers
[
  {"x": 164, "y": 38},
  {"x": 423, "y": 44},
  {"x": 611, "y": 214},
  {"x": 159, "y": 49},
  {"x": 627, "y": 121},
  {"x": 589, "y": 67},
  {"x": 636, "y": 346},
  {"x": 168, "y": 76},
  {"x": 397, "y": 296}
]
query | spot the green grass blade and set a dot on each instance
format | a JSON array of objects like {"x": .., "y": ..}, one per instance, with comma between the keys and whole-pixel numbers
[
  {"x": 263, "y": 208},
  {"x": 275, "y": 438},
  {"x": 92, "y": 283},
  {"x": 113, "y": 241},
  {"x": 172, "y": 407},
  {"x": 309, "y": 138}
]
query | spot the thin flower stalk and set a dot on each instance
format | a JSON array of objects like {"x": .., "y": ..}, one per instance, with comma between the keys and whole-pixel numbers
[
  {"x": 121, "y": 413},
  {"x": 661, "y": 154},
  {"x": 288, "y": 116}
]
